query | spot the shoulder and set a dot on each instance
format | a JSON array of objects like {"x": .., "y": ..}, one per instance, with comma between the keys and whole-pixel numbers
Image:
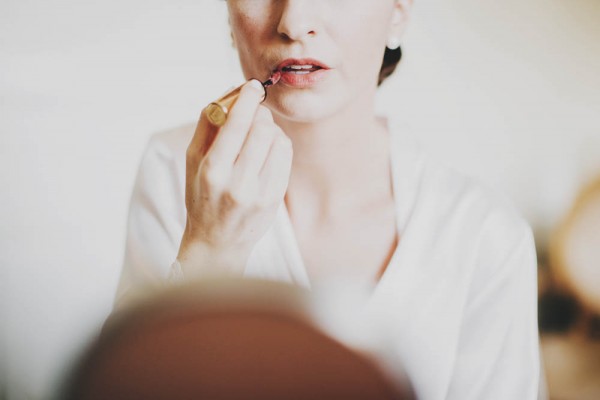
[
  {"x": 459, "y": 228},
  {"x": 445, "y": 200},
  {"x": 448, "y": 206},
  {"x": 497, "y": 266},
  {"x": 476, "y": 237},
  {"x": 467, "y": 217},
  {"x": 469, "y": 201},
  {"x": 162, "y": 167},
  {"x": 445, "y": 192},
  {"x": 460, "y": 219}
]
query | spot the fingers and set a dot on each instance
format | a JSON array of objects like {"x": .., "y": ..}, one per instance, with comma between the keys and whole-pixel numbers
[
  {"x": 250, "y": 154},
  {"x": 235, "y": 176},
  {"x": 229, "y": 141},
  {"x": 258, "y": 143},
  {"x": 262, "y": 169}
]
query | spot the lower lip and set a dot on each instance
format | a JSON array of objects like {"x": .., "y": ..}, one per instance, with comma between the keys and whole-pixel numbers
[{"x": 303, "y": 80}]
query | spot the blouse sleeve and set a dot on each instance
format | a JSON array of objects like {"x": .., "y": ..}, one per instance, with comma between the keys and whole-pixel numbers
[
  {"x": 156, "y": 219},
  {"x": 498, "y": 349}
]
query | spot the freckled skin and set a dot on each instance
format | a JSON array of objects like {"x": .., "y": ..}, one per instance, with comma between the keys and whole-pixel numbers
[{"x": 349, "y": 36}]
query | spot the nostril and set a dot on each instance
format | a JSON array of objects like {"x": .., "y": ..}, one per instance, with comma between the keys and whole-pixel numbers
[{"x": 296, "y": 26}]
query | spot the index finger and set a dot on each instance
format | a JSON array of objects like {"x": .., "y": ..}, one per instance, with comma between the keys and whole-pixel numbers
[{"x": 228, "y": 143}]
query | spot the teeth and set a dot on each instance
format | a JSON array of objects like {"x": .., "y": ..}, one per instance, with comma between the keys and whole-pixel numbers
[{"x": 300, "y": 67}]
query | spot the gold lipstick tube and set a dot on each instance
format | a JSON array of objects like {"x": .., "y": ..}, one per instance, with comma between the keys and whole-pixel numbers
[{"x": 217, "y": 111}]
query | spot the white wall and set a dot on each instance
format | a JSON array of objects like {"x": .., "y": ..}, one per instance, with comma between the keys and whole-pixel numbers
[{"x": 509, "y": 91}]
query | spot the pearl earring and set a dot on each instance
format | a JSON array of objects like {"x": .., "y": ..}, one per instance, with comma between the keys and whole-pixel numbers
[{"x": 393, "y": 43}]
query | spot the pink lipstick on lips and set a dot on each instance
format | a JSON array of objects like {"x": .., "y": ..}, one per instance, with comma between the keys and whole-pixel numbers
[
  {"x": 273, "y": 79},
  {"x": 302, "y": 73}
]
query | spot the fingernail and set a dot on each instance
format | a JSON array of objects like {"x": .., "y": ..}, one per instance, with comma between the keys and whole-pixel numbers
[{"x": 256, "y": 84}]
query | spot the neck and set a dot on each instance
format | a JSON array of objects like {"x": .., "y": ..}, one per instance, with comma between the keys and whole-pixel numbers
[{"x": 340, "y": 163}]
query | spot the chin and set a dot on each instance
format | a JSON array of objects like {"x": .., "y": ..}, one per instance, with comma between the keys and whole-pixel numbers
[
  {"x": 302, "y": 115},
  {"x": 304, "y": 109}
]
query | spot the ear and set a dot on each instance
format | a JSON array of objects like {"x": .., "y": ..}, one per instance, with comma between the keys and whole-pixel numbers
[{"x": 400, "y": 18}]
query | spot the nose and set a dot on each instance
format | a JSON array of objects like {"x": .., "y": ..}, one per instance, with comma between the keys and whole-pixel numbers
[{"x": 299, "y": 19}]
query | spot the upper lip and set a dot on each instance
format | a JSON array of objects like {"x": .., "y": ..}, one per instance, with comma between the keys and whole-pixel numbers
[{"x": 300, "y": 61}]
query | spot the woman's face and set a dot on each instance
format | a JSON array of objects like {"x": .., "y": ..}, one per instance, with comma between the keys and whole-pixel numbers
[{"x": 330, "y": 51}]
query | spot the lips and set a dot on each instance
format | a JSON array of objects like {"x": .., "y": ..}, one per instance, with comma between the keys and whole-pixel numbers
[{"x": 303, "y": 72}]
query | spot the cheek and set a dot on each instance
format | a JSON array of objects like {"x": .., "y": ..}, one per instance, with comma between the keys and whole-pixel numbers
[
  {"x": 246, "y": 33},
  {"x": 363, "y": 46},
  {"x": 250, "y": 19},
  {"x": 243, "y": 28}
]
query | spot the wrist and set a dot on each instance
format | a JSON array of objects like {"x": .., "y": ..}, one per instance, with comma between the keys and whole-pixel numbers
[{"x": 200, "y": 259}]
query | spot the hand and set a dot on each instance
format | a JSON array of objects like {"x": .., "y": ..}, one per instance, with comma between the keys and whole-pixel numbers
[{"x": 236, "y": 179}]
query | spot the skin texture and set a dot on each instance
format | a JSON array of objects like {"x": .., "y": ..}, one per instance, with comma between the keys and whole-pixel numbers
[
  {"x": 336, "y": 182},
  {"x": 347, "y": 35}
]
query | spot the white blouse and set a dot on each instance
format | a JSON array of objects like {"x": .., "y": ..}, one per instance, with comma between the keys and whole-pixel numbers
[{"x": 457, "y": 303}]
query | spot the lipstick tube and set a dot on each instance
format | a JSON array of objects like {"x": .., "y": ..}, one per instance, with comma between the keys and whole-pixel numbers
[{"x": 218, "y": 110}]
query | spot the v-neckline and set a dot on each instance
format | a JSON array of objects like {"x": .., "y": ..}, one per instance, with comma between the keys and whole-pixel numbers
[{"x": 299, "y": 270}]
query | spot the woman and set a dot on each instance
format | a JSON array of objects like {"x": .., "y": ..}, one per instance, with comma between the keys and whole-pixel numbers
[{"x": 452, "y": 268}]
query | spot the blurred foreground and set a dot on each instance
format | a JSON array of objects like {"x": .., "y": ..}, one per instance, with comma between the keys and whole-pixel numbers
[{"x": 226, "y": 340}]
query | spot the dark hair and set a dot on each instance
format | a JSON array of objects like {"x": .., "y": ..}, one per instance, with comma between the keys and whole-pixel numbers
[{"x": 391, "y": 58}]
